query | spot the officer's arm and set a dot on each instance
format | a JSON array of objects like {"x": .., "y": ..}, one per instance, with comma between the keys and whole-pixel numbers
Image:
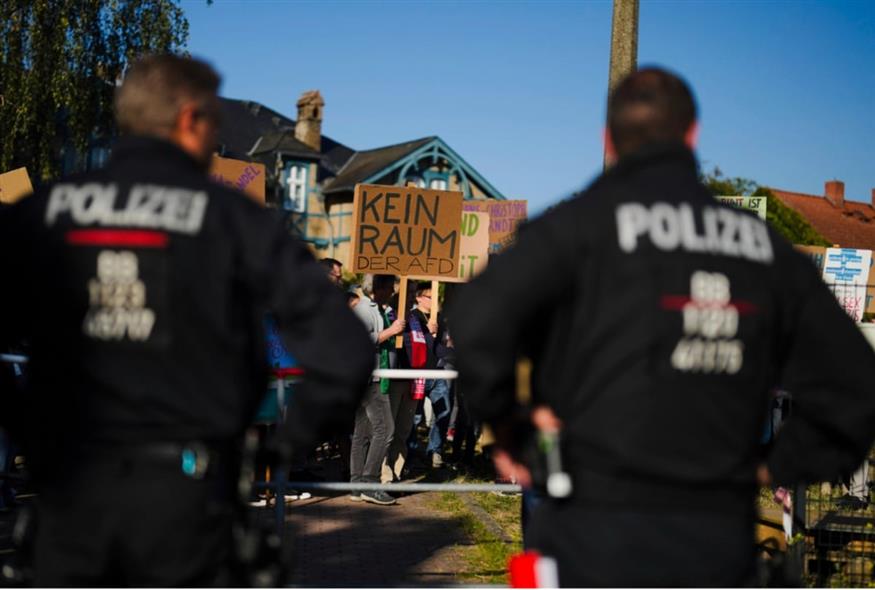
[
  {"x": 829, "y": 369},
  {"x": 325, "y": 337},
  {"x": 490, "y": 315}
]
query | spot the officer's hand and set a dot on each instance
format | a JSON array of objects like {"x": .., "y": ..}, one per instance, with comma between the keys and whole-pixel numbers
[
  {"x": 764, "y": 478},
  {"x": 545, "y": 420},
  {"x": 508, "y": 468}
]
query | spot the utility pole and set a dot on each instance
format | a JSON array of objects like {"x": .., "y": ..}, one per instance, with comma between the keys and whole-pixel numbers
[{"x": 624, "y": 43}]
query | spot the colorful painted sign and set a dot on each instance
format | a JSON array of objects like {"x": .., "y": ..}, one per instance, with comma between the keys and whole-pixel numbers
[
  {"x": 504, "y": 219},
  {"x": 846, "y": 271},
  {"x": 244, "y": 176},
  {"x": 407, "y": 231},
  {"x": 756, "y": 204},
  {"x": 14, "y": 185}
]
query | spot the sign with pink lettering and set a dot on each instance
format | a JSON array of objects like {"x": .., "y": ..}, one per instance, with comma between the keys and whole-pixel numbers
[{"x": 244, "y": 176}]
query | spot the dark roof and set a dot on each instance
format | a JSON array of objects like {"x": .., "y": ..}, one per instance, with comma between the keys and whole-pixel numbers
[
  {"x": 850, "y": 226},
  {"x": 362, "y": 165},
  {"x": 284, "y": 141},
  {"x": 245, "y": 121}
]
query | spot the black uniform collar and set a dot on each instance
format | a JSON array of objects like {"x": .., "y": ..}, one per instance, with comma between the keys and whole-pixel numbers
[
  {"x": 674, "y": 151},
  {"x": 140, "y": 147}
]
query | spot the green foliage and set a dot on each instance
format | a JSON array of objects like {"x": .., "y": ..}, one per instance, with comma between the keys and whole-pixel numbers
[
  {"x": 784, "y": 220},
  {"x": 59, "y": 63}
]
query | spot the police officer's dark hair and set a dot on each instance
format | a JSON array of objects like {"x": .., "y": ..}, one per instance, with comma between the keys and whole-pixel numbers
[
  {"x": 156, "y": 86},
  {"x": 650, "y": 105}
]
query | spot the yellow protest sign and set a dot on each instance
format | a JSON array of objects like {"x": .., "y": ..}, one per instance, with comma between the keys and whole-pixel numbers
[
  {"x": 474, "y": 252},
  {"x": 244, "y": 176},
  {"x": 14, "y": 185}
]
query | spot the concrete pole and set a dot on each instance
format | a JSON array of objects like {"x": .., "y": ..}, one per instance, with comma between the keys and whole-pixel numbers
[{"x": 624, "y": 43}]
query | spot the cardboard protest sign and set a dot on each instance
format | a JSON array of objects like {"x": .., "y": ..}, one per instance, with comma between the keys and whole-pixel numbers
[
  {"x": 244, "y": 176},
  {"x": 504, "y": 219},
  {"x": 846, "y": 271},
  {"x": 475, "y": 246},
  {"x": 14, "y": 185},
  {"x": 406, "y": 231},
  {"x": 755, "y": 204}
]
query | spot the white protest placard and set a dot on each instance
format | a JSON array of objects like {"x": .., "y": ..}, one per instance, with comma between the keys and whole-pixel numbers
[
  {"x": 846, "y": 271},
  {"x": 756, "y": 204}
]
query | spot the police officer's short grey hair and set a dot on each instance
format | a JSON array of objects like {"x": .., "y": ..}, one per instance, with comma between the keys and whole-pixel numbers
[{"x": 156, "y": 86}]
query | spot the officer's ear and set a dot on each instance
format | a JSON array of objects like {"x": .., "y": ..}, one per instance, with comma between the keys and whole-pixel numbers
[
  {"x": 691, "y": 137},
  {"x": 187, "y": 118},
  {"x": 194, "y": 132},
  {"x": 610, "y": 150}
]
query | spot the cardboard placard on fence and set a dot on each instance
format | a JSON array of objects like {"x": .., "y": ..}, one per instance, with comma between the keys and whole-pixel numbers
[
  {"x": 817, "y": 254},
  {"x": 14, "y": 185},
  {"x": 244, "y": 176},
  {"x": 846, "y": 270},
  {"x": 756, "y": 204},
  {"x": 406, "y": 231},
  {"x": 504, "y": 219}
]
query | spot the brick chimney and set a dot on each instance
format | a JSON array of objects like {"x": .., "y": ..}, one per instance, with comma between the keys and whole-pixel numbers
[
  {"x": 308, "y": 127},
  {"x": 835, "y": 193}
]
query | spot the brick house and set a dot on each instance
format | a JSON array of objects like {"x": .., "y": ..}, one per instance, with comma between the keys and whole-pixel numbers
[
  {"x": 312, "y": 176},
  {"x": 849, "y": 224}
]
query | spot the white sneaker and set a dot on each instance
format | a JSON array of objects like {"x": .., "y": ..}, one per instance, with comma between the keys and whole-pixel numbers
[
  {"x": 298, "y": 496},
  {"x": 259, "y": 503}
]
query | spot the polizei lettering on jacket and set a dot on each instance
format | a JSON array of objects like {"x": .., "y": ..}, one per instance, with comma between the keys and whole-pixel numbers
[
  {"x": 672, "y": 227},
  {"x": 148, "y": 205}
]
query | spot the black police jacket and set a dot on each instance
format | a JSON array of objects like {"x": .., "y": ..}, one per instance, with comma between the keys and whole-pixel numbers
[
  {"x": 142, "y": 290},
  {"x": 657, "y": 320}
]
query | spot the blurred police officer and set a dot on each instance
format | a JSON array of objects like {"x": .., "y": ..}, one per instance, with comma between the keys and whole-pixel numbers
[
  {"x": 142, "y": 288},
  {"x": 658, "y": 320}
]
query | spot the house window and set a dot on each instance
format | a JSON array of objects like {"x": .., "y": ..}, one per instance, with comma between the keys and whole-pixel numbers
[
  {"x": 416, "y": 181},
  {"x": 297, "y": 186},
  {"x": 438, "y": 184}
]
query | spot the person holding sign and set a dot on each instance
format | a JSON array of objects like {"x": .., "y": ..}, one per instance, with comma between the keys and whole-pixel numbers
[
  {"x": 423, "y": 342},
  {"x": 374, "y": 422},
  {"x": 657, "y": 321},
  {"x": 141, "y": 288}
]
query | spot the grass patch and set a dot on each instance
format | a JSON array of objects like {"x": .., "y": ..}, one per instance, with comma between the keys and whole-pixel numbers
[{"x": 486, "y": 557}]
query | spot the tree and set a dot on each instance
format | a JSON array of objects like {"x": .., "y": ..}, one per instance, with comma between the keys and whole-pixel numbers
[
  {"x": 59, "y": 64},
  {"x": 784, "y": 220}
]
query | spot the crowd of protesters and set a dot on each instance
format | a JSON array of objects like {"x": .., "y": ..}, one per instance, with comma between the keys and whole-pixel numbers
[{"x": 384, "y": 438}]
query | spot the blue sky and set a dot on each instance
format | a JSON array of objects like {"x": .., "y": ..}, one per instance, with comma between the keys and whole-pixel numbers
[{"x": 786, "y": 90}]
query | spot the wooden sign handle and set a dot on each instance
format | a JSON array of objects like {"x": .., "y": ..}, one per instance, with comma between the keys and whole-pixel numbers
[
  {"x": 402, "y": 309},
  {"x": 435, "y": 304}
]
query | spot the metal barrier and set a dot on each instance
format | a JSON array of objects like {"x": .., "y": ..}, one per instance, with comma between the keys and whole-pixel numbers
[{"x": 281, "y": 485}]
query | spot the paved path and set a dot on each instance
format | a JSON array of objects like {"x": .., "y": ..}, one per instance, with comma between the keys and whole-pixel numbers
[{"x": 340, "y": 543}]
